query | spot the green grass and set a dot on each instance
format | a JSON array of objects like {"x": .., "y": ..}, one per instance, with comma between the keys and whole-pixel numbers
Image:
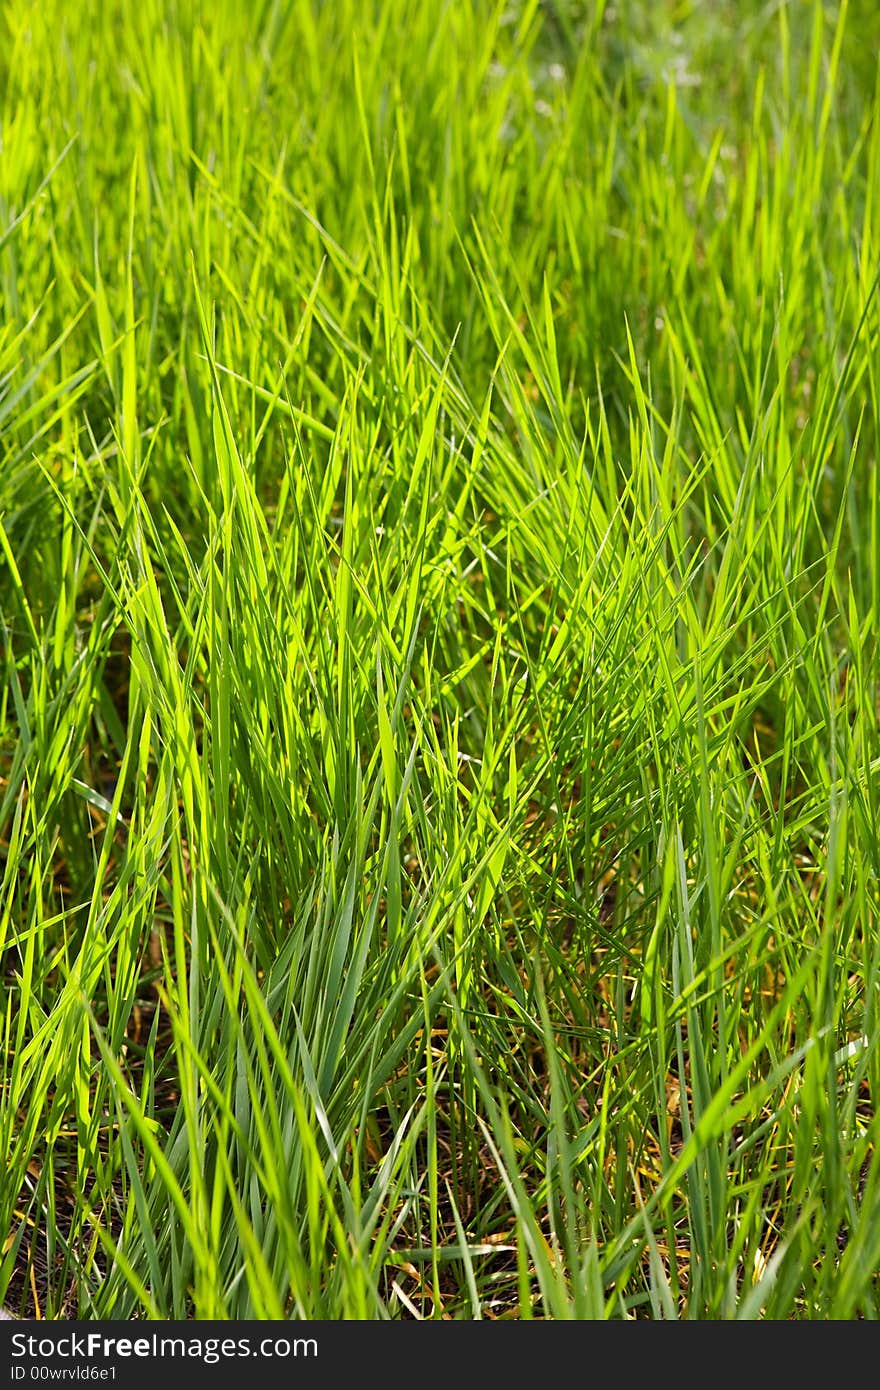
[{"x": 440, "y": 587}]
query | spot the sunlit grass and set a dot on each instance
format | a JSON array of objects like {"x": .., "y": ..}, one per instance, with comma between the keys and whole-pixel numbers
[{"x": 439, "y": 585}]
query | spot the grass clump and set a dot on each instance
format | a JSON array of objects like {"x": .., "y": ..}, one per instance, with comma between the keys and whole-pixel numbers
[{"x": 439, "y": 583}]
